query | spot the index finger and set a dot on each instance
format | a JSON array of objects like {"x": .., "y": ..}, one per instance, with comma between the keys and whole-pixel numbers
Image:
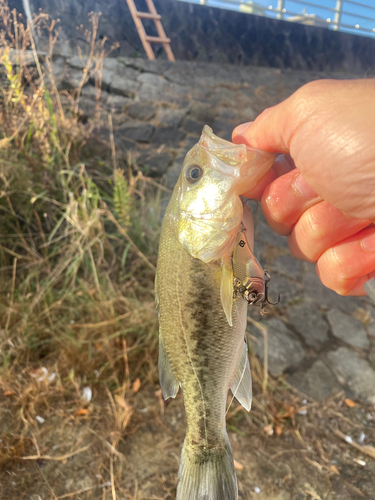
[{"x": 282, "y": 165}]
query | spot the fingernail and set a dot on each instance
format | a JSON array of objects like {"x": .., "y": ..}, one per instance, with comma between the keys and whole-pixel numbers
[
  {"x": 368, "y": 243},
  {"x": 303, "y": 188},
  {"x": 241, "y": 129}
]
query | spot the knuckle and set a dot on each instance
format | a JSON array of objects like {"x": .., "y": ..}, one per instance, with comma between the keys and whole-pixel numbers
[
  {"x": 312, "y": 97},
  {"x": 315, "y": 88},
  {"x": 331, "y": 270},
  {"x": 297, "y": 248},
  {"x": 308, "y": 235},
  {"x": 312, "y": 227}
]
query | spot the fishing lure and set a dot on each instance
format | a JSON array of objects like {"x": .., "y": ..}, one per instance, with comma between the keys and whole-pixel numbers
[{"x": 250, "y": 280}]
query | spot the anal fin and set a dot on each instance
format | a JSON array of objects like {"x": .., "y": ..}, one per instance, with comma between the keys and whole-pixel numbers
[
  {"x": 242, "y": 386},
  {"x": 168, "y": 382}
]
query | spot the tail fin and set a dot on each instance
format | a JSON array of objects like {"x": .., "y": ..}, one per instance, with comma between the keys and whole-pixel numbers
[{"x": 207, "y": 474}]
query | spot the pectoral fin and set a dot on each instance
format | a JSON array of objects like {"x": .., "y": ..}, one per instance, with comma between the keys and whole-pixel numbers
[
  {"x": 168, "y": 383},
  {"x": 226, "y": 287},
  {"x": 241, "y": 386}
]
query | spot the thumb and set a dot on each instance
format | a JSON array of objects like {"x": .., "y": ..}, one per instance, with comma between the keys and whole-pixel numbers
[{"x": 270, "y": 131}]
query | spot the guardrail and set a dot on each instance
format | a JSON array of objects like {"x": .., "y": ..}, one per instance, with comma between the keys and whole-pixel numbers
[{"x": 345, "y": 15}]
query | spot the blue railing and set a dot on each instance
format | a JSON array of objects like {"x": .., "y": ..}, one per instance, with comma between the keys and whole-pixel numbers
[{"x": 344, "y": 15}]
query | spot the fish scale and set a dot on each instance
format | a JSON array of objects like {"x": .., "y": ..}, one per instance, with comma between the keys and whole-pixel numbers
[
  {"x": 203, "y": 349},
  {"x": 193, "y": 323},
  {"x": 202, "y": 324}
]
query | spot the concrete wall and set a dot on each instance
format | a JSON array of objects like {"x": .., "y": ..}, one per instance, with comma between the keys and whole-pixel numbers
[{"x": 203, "y": 33}]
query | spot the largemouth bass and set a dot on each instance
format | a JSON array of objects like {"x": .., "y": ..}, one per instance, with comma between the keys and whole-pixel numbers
[{"x": 206, "y": 240}]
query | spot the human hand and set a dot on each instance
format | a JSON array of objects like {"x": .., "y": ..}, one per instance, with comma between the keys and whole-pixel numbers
[{"x": 322, "y": 192}]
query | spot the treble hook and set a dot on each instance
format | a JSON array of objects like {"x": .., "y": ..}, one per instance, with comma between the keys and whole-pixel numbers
[
  {"x": 267, "y": 279},
  {"x": 266, "y": 295},
  {"x": 246, "y": 200}
]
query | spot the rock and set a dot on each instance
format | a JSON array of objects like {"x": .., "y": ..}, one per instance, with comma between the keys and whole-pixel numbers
[
  {"x": 151, "y": 93},
  {"x": 141, "y": 111},
  {"x": 284, "y": 349},
  {"x": 107, "y": 77},
  {"x": 171, "y": 117},
  {"x": 371, "y": 356},
  {"x": 227, "y": 113},
  {"x": 117, "y": 103},
  {"x": 222, "y": 125},
  {"x": 138, "y": 131},
  {"x": 111, "y": 64},
  {"x": 370, "y": 324},
  {"x": 72, "y": 79},
  {"x": 181, "y": 74},
  {"x": 288, "y": 266},
  {"x": 348, "y": 329},
  {"x": 309, "y": 322},
  {"x": 213, "y": 79},
  {"x": 356, "y": 372},
  {"x": 264, "y": 233},
  {"x": 371, "y": 329},
  {"x": 223, "y": 129},
  {"x": 97, "y": 145},
  {"x": 192, "y": 126},
  {"x": 223, "y": 96},
  {"x": 286, "y": 288},
  {"x": 63, "y": 48},
  {"x": 87, "y": 106},
  {"x": 169, "y": 136},
  {"x": 323, "y": 296},
  {"x": 126, "y": 72},
  {"x": 248, "y": 114},
  {"x": 201, "y": 95},
  {"x": 189, "y": 143},
  {"x": 152, "y": 79},
  {"x": 202, "y": 113},
  {"x": 174, "y": 172},
  {"x": 144, "y": 65},
  {"x": 123, "y": 86},
  {"x": 317, "y": 382},
  {"x": 77, "y": 62},
  {"x": 59, "y": 70},
  {"x": 153, "y": 87},
  {"x": 90, "y": 91},
  {"x": 180, "y": 94},
  {"x": 226, "y": 135},
  {"x": 115, "y": 75},
  {"x": 155, "y": 164}
]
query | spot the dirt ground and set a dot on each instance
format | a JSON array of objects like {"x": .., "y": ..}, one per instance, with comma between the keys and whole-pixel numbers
[{"x": 287, "y": 447}]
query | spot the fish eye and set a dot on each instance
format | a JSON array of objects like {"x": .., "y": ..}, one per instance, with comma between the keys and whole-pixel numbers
[{"x": 193, "y": 173}]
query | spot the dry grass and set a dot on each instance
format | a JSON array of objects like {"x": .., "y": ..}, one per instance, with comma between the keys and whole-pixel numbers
[{"x": 77, "y": 256}]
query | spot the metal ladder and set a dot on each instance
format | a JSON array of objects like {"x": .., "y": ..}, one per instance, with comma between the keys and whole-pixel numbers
[{"x": 146, "y": 39}]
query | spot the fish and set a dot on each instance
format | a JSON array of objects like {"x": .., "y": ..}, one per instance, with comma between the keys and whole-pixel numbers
[{"x": 206, "y": 238}]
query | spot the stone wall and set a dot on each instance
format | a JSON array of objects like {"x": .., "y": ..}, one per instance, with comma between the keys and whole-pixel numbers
[
  {"x": 208, "y": 34},
  {"x": 324, "y": 342}
]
